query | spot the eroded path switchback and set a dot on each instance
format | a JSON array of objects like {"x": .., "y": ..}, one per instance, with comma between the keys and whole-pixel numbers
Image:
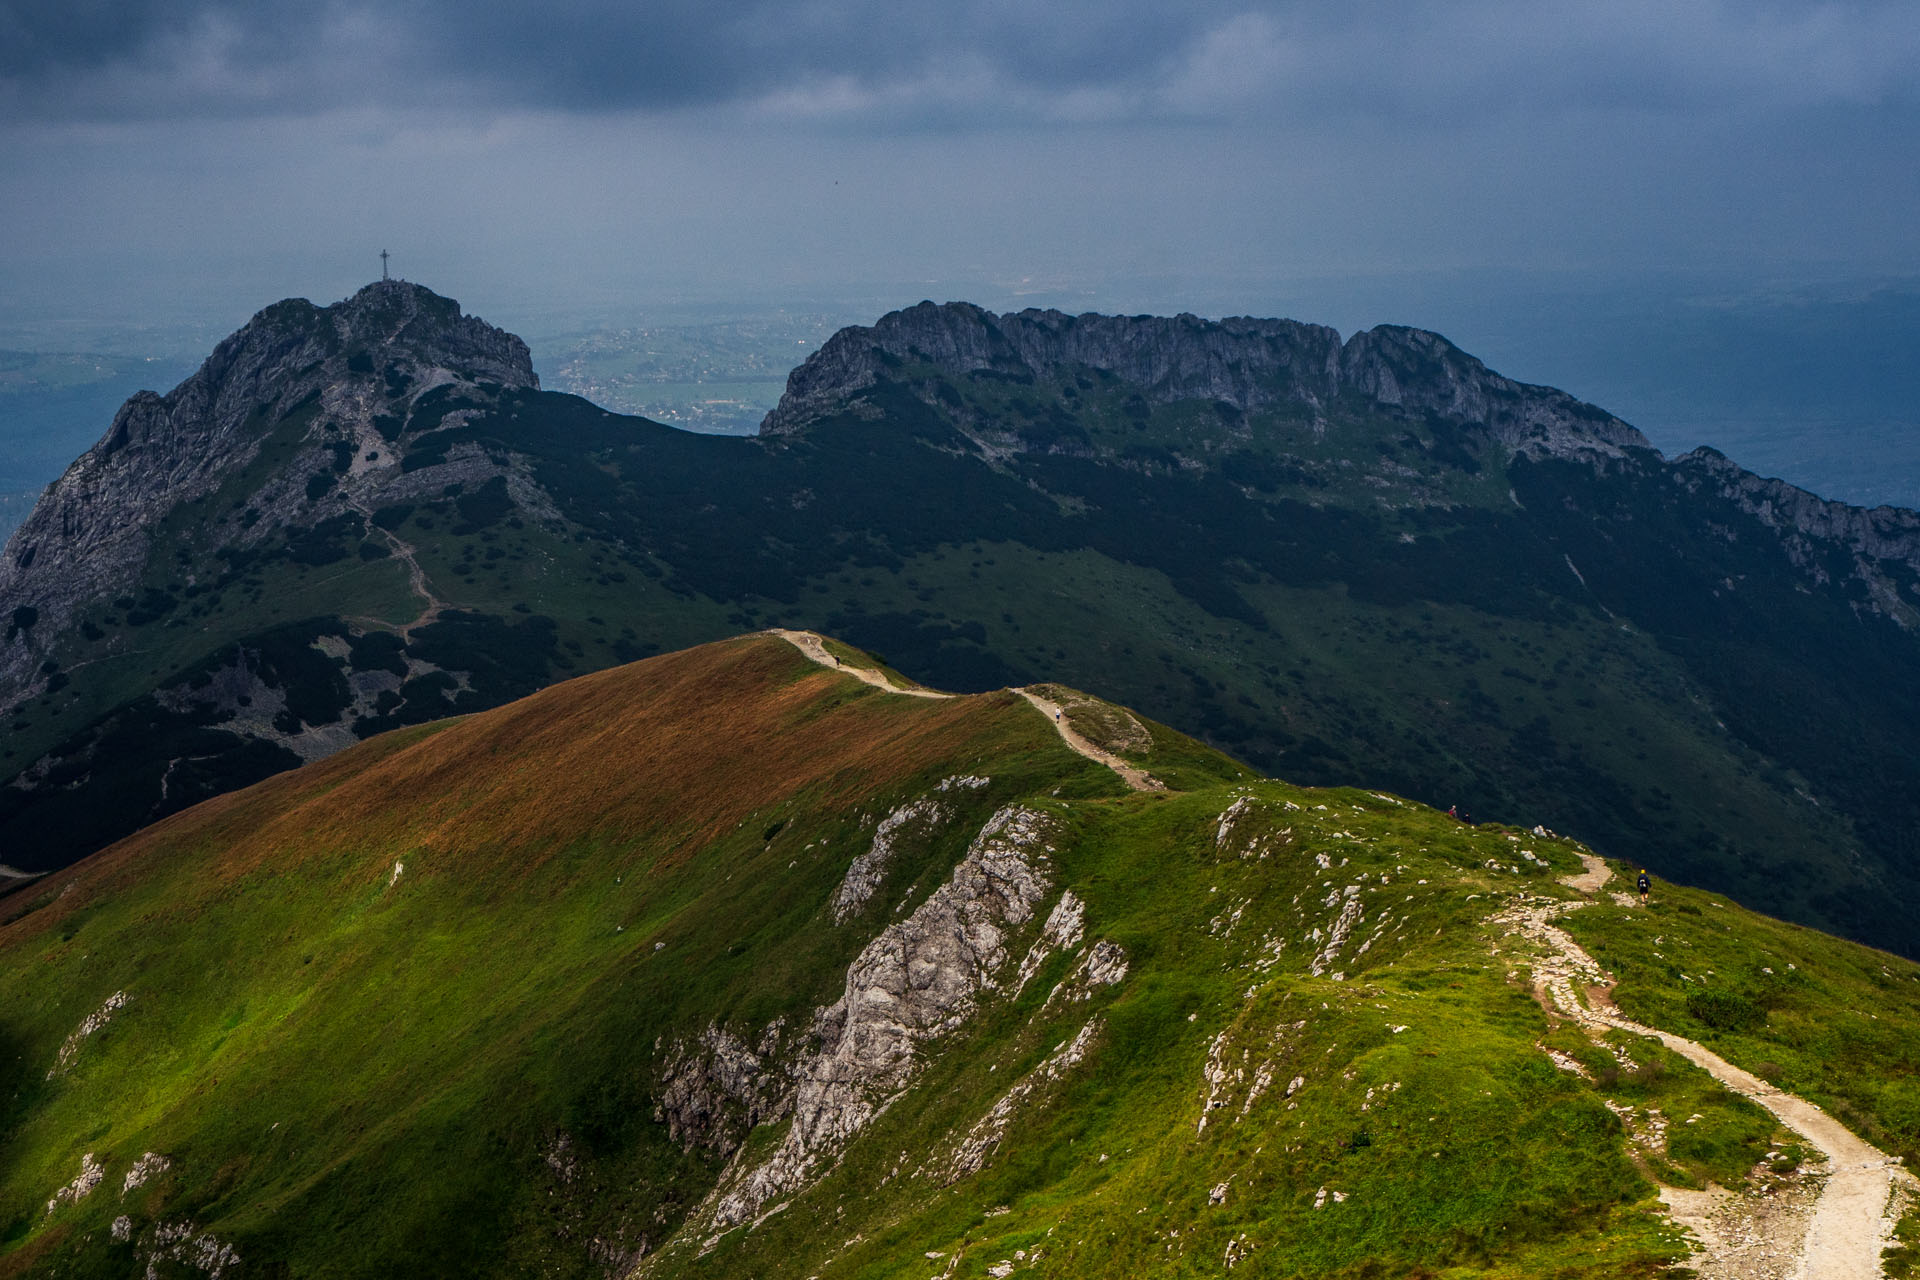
[
  {"x": 1865, "y": 1189},
  {"x": 815, "y": 648}
]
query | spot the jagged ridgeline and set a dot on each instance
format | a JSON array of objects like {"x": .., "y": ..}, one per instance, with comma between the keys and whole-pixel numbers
[
  {"x": 728, "y": 964},
  {"x": 1361, "y": 561}
]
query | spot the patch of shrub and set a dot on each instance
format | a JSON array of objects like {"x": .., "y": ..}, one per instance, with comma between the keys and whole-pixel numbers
[
  {"x": 487, "y": 505},
  {"x": 1723, "y": 1010},
  {"x": 378, "y": 651},
  {"x": 332, "y": 539}
]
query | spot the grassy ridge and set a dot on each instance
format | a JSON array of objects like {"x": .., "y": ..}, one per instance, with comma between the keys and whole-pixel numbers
[
  {"x": 305, "y": 1031},
  {"x": 410, "y": 1008},
  {"x": 1822, "y": 1018},
  {"x": 1456, "y": 1146}
]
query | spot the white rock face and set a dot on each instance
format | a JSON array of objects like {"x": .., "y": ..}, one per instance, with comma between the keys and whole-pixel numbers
[
  {"x": 1103, "y": 965},
  {"x": 991, "y": 1129},
  {"x": 862, "y": 881},
  {"x": 91, "y": 1023},
  {"x": 1351, "y": 913},
  {"x": 182, "y": 1243},
  {"x": 920, "y": 979},
  {"x": 91, "y": 1172},
  {"x": 151, "y": 1165},
  {"x": 714, "y": 1091},
  {"x": 1062, "y": 932}
]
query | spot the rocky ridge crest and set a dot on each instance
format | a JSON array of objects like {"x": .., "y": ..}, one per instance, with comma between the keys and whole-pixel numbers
[
  {"x": 1811, "y": 528},
  {"x": 1251, "y": 364}
]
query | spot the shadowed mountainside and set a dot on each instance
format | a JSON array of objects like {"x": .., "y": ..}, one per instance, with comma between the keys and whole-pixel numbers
[{"x": 1370, "y": 560}]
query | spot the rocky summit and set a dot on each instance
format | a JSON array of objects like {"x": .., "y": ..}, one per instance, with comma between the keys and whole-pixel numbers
[
  {"x": 1245, "y": 364},
  {"x": 758, "y": 960},
  {"x": 1360, "y": 560},
  {"x": 292, "y": 366}
]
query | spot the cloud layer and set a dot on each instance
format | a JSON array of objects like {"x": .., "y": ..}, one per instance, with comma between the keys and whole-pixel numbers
[
  {"x": 950, "y": 63},
  {"x": 1094, "y": 152}
]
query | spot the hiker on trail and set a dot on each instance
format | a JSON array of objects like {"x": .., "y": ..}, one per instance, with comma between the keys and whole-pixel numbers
[
  {"x": 1453, "y": 811},
  {"x": 1646, "y": 886}
]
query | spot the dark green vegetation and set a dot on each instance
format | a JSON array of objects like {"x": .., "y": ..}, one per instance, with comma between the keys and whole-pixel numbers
[
  {"x": 453, "y": 1002},
  {"x": 1342, "y": 588}
]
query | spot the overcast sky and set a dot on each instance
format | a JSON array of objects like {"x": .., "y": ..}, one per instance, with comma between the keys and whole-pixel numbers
[{"x": 581, "y": 155}]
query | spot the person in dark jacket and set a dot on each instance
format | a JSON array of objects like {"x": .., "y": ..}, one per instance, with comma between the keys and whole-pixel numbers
[{"x": 1646, "y": 886}]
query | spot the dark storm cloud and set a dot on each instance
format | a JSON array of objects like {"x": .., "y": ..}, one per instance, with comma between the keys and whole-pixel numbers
[
  {"x": 944, "y": 60},
  {"x": 225, "y": 57}
]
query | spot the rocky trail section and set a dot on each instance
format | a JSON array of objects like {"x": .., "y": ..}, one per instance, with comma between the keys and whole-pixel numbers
[
  {"x": 431, "y": 605},
  {"x": 1852, "y": 1220}
]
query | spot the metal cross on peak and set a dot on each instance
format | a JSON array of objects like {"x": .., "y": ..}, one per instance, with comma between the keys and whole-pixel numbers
[{"x": 383, "y": 266}]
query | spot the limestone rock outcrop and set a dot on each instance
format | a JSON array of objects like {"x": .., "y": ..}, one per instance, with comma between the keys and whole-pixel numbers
[{"x": 920, "y": 979}]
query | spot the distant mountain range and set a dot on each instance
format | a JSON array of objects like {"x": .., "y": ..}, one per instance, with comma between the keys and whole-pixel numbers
[{"x": 1364, "y": 561}]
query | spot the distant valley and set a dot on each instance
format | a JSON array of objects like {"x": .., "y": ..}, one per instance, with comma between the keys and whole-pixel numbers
[
  {"x": 51, "y": 408},
  {"x": 720, "y": 378}
]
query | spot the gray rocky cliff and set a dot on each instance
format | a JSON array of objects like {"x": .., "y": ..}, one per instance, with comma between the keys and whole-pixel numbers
[
  {"x": 1811, "y": 528},
  {"x": 1171, "y": 357},
  {"x": 1421, "y": 372},
  {"x": 713, "y": 1091},
  {"x": 919, "y": 980},
  {"x": 90, "y": 536},
  {"x": 1251, "y": 364}
]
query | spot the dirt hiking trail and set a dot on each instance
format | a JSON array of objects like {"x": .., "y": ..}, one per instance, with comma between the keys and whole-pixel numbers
[
  {"x": 1865, "y": 1191},
  {"x": 1135, "y": 778},
  {"x": 431, "y": 605},
  {"x": 815, "y": 648}
]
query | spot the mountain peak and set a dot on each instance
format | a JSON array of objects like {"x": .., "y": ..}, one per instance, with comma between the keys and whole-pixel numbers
[
  {"x": 1249, "y": 363},
  {"x": 334, "y": 389},
  {"x": 1245, "y": 362},
  {"x": 396, "y": 320}
]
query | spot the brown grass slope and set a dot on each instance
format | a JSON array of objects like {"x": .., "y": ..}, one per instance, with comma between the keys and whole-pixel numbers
[
  {"x": 682, "y": 746},
  {"x": 414, "y": 962}
]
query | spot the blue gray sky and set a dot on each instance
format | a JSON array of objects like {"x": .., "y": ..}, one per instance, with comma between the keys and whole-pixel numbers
[
  {"x": 594, "y": 148},
  {"x": 1486, "y": 167}
]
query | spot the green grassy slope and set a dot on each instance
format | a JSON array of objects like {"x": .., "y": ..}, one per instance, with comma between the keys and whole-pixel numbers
[{"x": 419, "y": 1007}]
